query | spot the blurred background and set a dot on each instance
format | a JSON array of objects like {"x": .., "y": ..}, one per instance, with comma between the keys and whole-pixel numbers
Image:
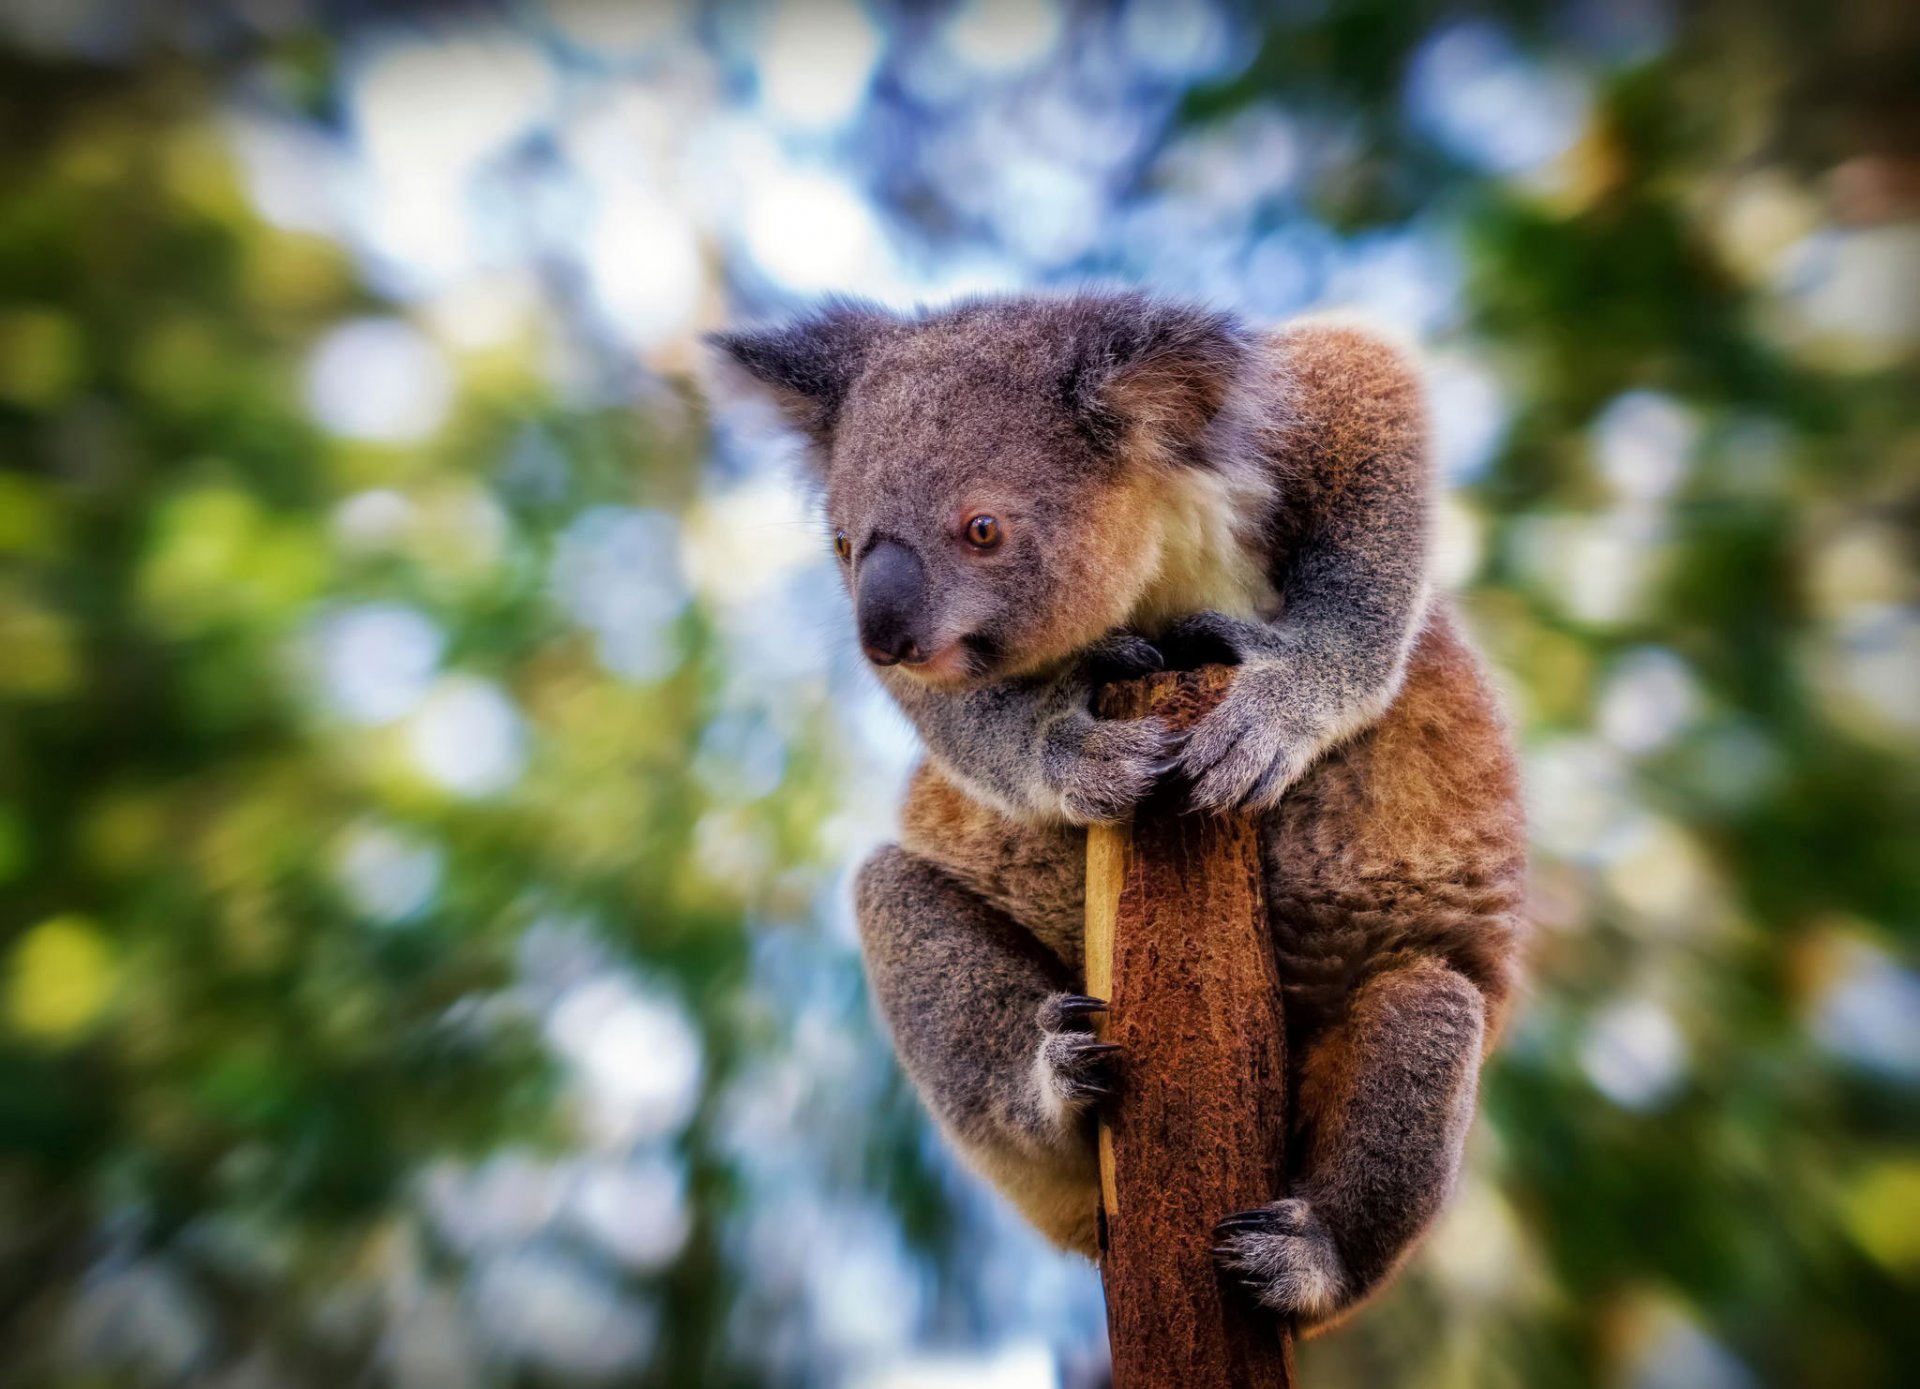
[{"x": 431, "y": 758}]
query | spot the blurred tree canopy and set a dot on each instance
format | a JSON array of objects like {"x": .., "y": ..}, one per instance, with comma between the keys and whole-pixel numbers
[
  {"x": 225, "y": 1038},
  {"x": 286, "y": 959}
]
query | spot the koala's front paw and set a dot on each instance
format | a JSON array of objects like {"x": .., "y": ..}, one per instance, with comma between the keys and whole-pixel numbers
[
  {"x": 1211, "y": 638},
  {"x": 1118, "y": 656},
  {"x": 1101, "y": 768},
  {"x": 1072, "y": 1068},
  {"x": 1285, "y": 1256},
  {"x": 1247, "y": 752}
]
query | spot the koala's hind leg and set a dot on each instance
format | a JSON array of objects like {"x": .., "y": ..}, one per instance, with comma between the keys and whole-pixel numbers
[
  {"x": 984, "y": 1021},
  {"x": 1385, "y": 1101}
]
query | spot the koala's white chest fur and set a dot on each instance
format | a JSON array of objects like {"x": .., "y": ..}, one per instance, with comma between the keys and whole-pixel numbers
[{"x": 1208, "y": 556}]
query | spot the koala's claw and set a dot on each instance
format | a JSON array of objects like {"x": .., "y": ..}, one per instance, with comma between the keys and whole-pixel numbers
[
  {"x": 1062, "y": 1009},
  {"x": 1080, "y": 1070},
  {"x": 1285, "y": 1256},
  {"x": 1121, "y": 656},
  {"x": 1209, "y": 637},
  {"x": 1075, "y": 1067},
  {"x": 1175, "y": 746}
]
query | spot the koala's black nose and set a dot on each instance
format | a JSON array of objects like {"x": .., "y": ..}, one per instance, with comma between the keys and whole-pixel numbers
[{"x": 890, "y": 593}]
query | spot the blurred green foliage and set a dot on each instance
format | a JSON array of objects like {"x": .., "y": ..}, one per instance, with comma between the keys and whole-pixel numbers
[{"x": 199, "y": 1034}]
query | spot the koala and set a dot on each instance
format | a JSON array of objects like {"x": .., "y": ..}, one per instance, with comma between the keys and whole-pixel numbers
[{"x": 1030, "y": 495}]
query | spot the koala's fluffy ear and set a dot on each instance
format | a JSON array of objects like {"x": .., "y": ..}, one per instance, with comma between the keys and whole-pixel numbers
[
  {"x": 804, "y": 368},
  {"x": 1150, "y": 377}
]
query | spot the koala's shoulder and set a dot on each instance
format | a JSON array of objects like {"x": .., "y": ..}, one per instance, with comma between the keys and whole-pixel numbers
[
  {"x": 1329, "y": 351},
  {"x": 1353, "y": 391}
]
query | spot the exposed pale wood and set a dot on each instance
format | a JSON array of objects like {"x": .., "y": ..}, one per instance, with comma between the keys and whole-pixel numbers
[
  {"x": 1177, "y": 941},
  {"x": 1108, "y": 848}
]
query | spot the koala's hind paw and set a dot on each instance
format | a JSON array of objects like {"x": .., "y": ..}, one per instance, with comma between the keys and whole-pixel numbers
[
  {"x": 1064, "y": 1012},
  {"x": 1285, "y": 1257},
  {"x": 1079, "y": 1069},
  {"x": 1072, "y": 1068}
]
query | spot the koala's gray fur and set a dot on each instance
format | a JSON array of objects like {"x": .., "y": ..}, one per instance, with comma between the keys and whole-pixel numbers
[{"x": 1165, "y": 482}]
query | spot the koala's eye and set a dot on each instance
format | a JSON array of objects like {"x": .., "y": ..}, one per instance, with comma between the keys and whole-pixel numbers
[
  {"x": 842, "y": 546},
  {"x": 983, "y": 532}
]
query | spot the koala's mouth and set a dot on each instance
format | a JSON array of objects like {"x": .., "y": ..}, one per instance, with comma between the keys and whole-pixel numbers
[{"x": 963, "y": 661}]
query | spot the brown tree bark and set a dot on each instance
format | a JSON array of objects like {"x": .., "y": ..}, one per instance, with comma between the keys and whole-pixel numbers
[{"x": 1177, "y": 941}]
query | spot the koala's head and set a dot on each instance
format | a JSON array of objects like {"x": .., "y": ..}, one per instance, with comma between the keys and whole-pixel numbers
[{"x": 991, "y": 470}]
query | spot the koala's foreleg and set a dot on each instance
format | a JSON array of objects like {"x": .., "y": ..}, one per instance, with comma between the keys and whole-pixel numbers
[
  {"x": 1386, "y": 1099},
  {"x": 1032, "y": 749},
  {"x": 987, "y": 1028},
  {"x": 1354, "y": 576}
]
